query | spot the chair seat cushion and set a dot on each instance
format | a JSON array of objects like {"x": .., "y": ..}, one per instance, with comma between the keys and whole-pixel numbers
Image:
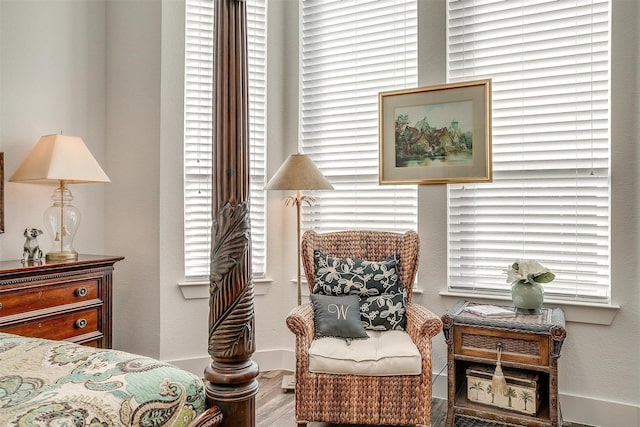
[{"x": 384, "y": 353}]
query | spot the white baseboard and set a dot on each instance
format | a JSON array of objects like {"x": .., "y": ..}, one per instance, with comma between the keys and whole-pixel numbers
[
  {"x": 577, "y": 409},
  {"x": 598, "y": 412},
  {"x": 267, "y": 360},
  {"x": 195, "y": 365}
]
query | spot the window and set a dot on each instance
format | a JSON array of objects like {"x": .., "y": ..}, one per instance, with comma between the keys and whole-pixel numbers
[
  {"x": 549, "y": 63},
  {"x": 198, "y": 133},
  {"x": 351, "y": 51}
]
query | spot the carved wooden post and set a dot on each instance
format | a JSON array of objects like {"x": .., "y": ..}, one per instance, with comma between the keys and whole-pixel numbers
[{"x": 231, "y": 377}]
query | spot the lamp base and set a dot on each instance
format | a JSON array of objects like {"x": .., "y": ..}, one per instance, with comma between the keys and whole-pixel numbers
[{"x": 62, "y": 256}]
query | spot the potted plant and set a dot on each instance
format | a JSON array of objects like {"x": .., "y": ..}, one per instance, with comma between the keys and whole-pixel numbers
[{"x": 526, "y": 277}]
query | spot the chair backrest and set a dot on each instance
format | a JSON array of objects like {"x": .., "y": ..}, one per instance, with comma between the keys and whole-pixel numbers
[{"x": 364, "y": 244}]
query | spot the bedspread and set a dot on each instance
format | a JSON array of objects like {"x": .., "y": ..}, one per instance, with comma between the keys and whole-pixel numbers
[{"x": 57, "y": 383}]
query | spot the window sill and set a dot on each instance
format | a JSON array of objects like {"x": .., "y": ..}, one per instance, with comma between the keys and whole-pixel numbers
[
  {"x": 199, "y": 289},
  {"x": 577, "y": 312}
]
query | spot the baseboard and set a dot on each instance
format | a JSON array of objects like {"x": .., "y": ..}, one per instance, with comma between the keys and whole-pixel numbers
[
  {"x": 576, "y": 409},
  {"x": 267, "y": 360},
  {"x": 195, "y": 365},
  {"x": 598, "y": 412}
]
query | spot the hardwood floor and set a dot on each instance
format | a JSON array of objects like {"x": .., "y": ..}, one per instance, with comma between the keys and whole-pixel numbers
[{"x": 276, "y": 408}]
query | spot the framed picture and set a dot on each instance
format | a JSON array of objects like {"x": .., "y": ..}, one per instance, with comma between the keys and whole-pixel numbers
[{"x": 436, "y": 134}]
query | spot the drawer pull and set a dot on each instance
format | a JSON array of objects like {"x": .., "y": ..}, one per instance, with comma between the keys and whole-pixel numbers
[
  {"x": 81, "y": 292},
  {"x": 81, "y": 323}
]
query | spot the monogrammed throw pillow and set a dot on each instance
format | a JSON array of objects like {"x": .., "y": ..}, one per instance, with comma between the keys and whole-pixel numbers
[{"x": 337, "y": 316}]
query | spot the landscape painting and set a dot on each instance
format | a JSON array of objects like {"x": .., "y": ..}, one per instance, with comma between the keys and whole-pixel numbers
[{"x": 436, "y": 134}]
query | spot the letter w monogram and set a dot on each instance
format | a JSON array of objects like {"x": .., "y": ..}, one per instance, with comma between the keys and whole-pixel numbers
[{"x": 340, "y": 310}]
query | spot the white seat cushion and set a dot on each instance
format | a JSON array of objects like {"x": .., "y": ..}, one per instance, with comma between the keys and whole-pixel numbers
[{"x": 384, "y": 353}]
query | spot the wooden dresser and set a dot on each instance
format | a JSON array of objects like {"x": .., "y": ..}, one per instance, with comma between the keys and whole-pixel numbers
[{"x": 60, "y": 300}]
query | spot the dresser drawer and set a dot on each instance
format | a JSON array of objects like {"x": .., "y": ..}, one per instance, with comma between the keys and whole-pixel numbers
[
  {"x": 517, "y": 347},
  {"x": 39, "y": 297},
  {"x": 59, "y": 327}
]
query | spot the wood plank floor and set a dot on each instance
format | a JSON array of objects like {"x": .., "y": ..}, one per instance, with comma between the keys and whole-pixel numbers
[{"x": 276, "y": 408}]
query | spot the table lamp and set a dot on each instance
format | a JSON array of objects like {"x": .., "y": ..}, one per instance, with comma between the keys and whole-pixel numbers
[
  {"x": 298, "y": 173},
  {"x": 61, "y": 160}
]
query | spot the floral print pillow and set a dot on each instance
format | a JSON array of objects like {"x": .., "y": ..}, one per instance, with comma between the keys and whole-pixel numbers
[
  {"x": 384, "y": 312},
  {"x": 382, "y": 295}
]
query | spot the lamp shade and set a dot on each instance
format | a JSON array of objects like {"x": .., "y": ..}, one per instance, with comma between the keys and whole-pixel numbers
[
  {"x": 58, "y": 158},
  {"x": 298, "y": 173}
]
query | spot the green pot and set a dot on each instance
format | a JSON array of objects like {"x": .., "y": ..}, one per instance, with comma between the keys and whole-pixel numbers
[{"x": 527, "y": 297}]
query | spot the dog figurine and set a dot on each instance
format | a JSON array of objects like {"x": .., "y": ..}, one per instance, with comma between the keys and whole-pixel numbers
[{"x": 32, "y": 250}]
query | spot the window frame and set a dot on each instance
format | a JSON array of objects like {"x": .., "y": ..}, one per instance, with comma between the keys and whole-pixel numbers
[
  {"x": 501, "y": 290},
  {"x": 198, "y": 163},
  {"x": 370, "y": 204}
]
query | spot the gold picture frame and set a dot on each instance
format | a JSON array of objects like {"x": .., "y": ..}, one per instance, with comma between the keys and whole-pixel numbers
[{"x": 436, "y": 134}]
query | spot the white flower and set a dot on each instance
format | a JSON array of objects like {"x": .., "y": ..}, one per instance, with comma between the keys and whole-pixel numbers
[{"x": 528, "y": 271}]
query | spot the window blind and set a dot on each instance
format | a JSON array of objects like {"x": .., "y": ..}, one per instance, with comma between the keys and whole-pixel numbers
[
  {"x": 351, "y": 51},
  {"x": 549, "y": 201},
  {"x": 198, "y": 133}
]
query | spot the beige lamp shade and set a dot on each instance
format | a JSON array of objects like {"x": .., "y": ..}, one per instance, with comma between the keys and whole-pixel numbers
[
  {"x": 58, "y": 158},
  {"x": 298, "y": 173}
]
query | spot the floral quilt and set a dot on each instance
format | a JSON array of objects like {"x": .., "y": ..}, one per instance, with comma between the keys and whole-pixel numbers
[{"x": 57, "y": 383}]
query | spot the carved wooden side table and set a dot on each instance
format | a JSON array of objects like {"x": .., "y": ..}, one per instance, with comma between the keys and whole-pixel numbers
[{"x": 530, "y": 346}]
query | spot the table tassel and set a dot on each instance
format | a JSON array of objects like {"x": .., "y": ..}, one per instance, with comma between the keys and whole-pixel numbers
[{"x": 498, "y": 382}]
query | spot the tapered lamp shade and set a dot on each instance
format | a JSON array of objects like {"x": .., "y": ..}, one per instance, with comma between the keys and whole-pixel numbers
[
  {"x": 61, "y": 160},
  {"x": 60, "y": 157},
  {"x": 298, "y": 173}
]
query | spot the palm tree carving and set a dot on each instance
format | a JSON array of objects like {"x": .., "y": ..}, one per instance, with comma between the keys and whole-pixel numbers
[
  {"x": 477, "y": 386},
  {"x": 526, "y": 396},
  {"x": 490, "y": 391},
  {"x": 510, "y": 393}
]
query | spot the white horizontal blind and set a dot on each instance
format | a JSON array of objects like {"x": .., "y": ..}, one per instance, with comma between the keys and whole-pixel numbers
[
  {"x": 549, "y": 63},
  {"x": 352, "y": 50},
  {"x": 198, "y": 133}
]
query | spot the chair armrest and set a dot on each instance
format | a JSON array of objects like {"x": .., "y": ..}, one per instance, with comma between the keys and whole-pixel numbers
[
  {"x": 422, "y": 326},
  {"x": 422, "y": 322},
  {"x": 300, "y": 322}
]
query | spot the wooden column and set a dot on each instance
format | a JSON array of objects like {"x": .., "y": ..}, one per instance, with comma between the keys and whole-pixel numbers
[{"x": 231, "y": 377}]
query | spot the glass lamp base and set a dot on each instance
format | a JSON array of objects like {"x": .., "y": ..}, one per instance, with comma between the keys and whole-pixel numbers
[{"x": 62, "y": 256}]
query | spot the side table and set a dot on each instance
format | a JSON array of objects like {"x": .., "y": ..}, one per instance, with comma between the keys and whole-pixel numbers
[{"x": 530, "y": 345}]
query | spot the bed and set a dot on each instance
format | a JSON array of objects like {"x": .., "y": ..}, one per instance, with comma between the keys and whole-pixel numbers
[{"x": 58, "y": 383}]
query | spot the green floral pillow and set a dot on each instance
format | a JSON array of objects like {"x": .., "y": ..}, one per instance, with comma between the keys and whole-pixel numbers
[{"x": 377, "y": 284}]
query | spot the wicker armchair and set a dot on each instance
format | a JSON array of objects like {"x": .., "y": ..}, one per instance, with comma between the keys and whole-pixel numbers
[{"x": 360, "y": 399}]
